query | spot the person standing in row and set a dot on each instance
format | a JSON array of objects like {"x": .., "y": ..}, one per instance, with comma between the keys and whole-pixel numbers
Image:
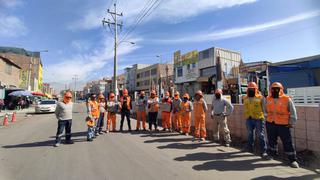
[
  {"x": 221, "y": 109},
  {"x": 254, "y": 110},
  {"x": 200, "y": 108},
  {"x": 125, "y": 107},
  {"x": 186, "y": 109},
  {"x": 176, "y": 112},
  {"x": 281, "y": 118},
  {"x": 102, "y": 109},
  {"x": 64, "y": 115},
  {"x": 166, "y": 112},
  {"x": 112, "y": 107},
  {"x": 93, "y": 111},
  {"x": 141, "y": 111},
  {"x": 153, "y": 108}
]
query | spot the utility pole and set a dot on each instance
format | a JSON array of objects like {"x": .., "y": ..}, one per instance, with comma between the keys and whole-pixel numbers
[
  {"x": 75, "y": 78},
  {"x": 115, "y": 25}
]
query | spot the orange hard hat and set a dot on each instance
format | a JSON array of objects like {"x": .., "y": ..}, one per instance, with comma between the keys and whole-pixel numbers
[
  {"x": 186, "y": 95},
  {"x": 101, "y": 96},
  {"x": 252, "y": 85},
  {"x": 199, "y": 93},
  {"x": 111, "y": 95},
  {"x": 218, "y": 91},
  {"x": 277, "y": 84},
  {"x": 142, "y": 93},
  {"x": 125, "y": 92}
]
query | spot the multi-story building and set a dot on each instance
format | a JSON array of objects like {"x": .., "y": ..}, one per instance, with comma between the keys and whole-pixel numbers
[
  {"x": 148, "y": 78},
  {"x": 31, "y": 66},
  {"x": 130, "y": 77},
  {"x": 206, "y": 70},
  {"x": 9, "y": 73}
]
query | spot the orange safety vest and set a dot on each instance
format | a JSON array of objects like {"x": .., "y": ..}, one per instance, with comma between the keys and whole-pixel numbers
[
  {"x": 94, "y": 108},
  {"x": 185, "y": 106},
  {"x": 198, "y": 108},
  {"x": 278, "y": 112},
  {"x": 155, "y": 106},
  {"x": 128, "y": 102}
]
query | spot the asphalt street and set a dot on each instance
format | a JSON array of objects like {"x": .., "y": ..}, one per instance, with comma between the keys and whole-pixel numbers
[{"x": 27, "y": 153}]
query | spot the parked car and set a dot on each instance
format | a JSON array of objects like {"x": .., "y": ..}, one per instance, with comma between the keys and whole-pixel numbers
[{"x": 46, "y": 106}]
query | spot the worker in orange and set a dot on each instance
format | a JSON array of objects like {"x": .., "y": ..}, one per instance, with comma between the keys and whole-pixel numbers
[
  {"x": 112, "y": 107},
  {"x": 141, "y": 111},
  {"x": 200, "y": 107},
  {"x": 176, "y": 112},
  {"x": 254, "y": 110},
  {"x": 166, "y": 112},
  {"x": 281, "y": 118},
  {"x": 186, "y": 109},
  {"x": 153, "y": 108},
  {"x": 125, "y": 108},
  {"x": 93, "y": 112}
]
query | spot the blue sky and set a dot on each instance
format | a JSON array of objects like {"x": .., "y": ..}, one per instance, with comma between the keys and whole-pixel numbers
[{"x": 72, "y": 31}]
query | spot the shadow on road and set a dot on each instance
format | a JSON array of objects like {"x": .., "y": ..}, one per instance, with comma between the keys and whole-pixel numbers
[
  {"x": 204, "y": 156},
  {"x": 160, "y": 134},
  {"x": 164, "y": 140},
  {"x": 303, "y": 177},
  {"x": 74, "y": 134},
  {"x": 187, "y": 146},
  {"x": 39, "y": 144}
]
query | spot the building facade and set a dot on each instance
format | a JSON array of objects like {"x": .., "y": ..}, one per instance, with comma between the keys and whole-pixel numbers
[
  {"x": 149, "y": 78},
  {"x": 31, "y": 66},
  {"x": 9, "y": 73},
  {"x": 130, "y": 74}
]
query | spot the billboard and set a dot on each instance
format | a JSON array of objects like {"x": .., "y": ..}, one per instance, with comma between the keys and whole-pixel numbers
[
  {"x": 190, "y": 57},
  {"x": 177, "y": 57}
]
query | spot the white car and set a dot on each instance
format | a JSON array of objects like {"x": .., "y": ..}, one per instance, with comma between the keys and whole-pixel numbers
[{"x": 46, "y": 106}]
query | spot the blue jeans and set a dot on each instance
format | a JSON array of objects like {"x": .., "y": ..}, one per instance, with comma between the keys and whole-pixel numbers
[
  {"x": 63, "y": 124},
  {"x": 90, "y": 133},
  {"x": 258, "y": 126},
  {"x": 100, "y": 122}
]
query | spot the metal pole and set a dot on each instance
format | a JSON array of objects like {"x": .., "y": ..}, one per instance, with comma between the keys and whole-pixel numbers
[
  {"x": 115, "y": 84},
  {"x": 29, "y": 73}
]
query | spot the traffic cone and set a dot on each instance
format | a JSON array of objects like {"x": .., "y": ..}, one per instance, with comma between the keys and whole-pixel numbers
[
  {"x": 13, "y": 118},
  {"x": 6, "y": 120}
]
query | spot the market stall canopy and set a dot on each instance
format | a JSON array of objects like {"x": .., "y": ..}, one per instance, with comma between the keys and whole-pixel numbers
[{"x": 20, "y": 93}]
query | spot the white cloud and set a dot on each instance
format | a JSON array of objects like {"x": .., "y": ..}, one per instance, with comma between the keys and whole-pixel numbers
[
  {"x": 170, "y": 11},
  {"x": 85, "y": 65},
  {"x": 81, "y": 45},
  {"x": 11, "y": 26},
  {"x": 240, "y": 31}
]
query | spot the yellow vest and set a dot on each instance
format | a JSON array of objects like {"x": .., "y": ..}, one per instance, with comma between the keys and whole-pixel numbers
[{"x": 253, "y": 108}]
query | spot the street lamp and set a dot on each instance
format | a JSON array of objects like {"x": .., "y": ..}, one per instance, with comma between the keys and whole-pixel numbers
[{"x": 30, "y": 66}]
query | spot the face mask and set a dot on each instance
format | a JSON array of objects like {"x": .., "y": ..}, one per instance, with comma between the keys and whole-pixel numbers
[
  {"x": 251, "y": 92},
  {"x": 141, "y": 97},
  {"x": 218, "y": 96},
  {"x": 93, "y": 98},
  {"x": 197, "y": 97},
  {"x": 185, "y": 99},
  {"x": 275, "y": 92},
  {"x": 166, "y": 97}
]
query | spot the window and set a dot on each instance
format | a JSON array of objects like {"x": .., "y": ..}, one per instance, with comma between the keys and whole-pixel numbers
[
  {"x": 8, "y": 68},
  {"x": 146, "y": 74},
  {"x": 179, "y": 71},
  {"x": 193, "y": 65},
  {"x": 138, "y": 75},
  {"x": 138, "y": 84},
  {"x": 208, "y": 71},
  {"x": 153, "y": 71},
  {"x": 188, "y": 67}
]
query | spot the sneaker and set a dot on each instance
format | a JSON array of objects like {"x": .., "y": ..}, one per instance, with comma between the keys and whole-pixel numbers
[
  {"x": 56, "y": 144},
  {"x": 100, "y": 132},
  {"x": 144, "y": 129},
  {"x": 265, "y": 156},
  {"x": 227, "y": 144},
  {"x": 194, "y": 139},
  {"x": 137, "y": 130},
  {"x": 186, "y": 134},
  {"x": 107, "y": 131},
  {"x": 294, "y": 164},
  {"x": 69, "y": 142},
  {"x": 202, "y": 140},
  {"x": 180, "y": 132},
  {"x": 156, "y": 129},
  {"x": 164, "y": 129}
]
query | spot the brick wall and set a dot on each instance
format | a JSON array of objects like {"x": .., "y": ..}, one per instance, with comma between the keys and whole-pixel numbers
[
  {"x": 306, "y": 134},
  {"x": 9, "y": 79}
]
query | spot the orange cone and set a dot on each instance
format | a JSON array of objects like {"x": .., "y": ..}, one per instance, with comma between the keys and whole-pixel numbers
[
  {"x": 13, "y": 119},
  {"x": 6, "y": 120}
]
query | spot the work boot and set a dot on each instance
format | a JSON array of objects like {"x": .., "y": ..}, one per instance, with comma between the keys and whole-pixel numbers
[
  {"x": 137, "y": 130},
  {"x": 186, "y": 134},
  {"x": 294, "y": 164},
  {"x": 202, "y": 140},
  {"x": 89, "y": 139},
  {"x": 164, "y": 129},
  {"x": 265, "y": 156},
  {"x": 180, "y": 132},
  {"x": 69, "y": 142}
]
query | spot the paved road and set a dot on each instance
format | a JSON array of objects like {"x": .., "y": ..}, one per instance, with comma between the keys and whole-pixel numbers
[{"x": 27, "y": 153}]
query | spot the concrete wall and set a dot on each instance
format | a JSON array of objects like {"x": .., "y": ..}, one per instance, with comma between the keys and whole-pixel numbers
[
  {"x": 9, "y": 79},
  {"x": 306, "y": 133}
]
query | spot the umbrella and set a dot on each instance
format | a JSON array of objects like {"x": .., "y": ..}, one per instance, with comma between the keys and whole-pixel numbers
[
  {"x": 38, "y": 94},
  {"x": 20, "y": 93}
]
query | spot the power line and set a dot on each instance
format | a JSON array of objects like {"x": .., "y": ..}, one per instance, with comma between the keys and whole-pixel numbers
[{"x": 147, "y": 12}]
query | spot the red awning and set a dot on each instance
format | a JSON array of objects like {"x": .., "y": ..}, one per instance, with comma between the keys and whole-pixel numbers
[{"x": 38, "y": 94}]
